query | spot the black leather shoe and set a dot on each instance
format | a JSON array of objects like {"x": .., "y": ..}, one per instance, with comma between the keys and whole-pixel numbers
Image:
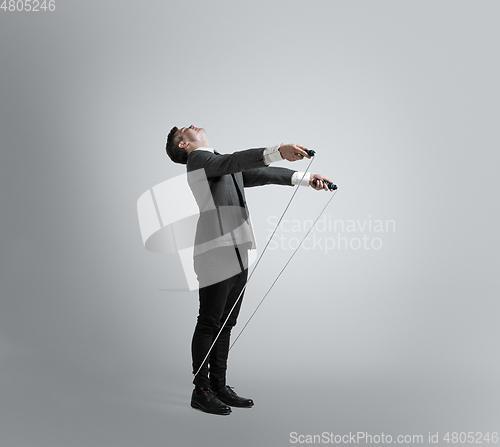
[
  {"x": 229, "y": 397},
  {"x": 207, "y": 401}
]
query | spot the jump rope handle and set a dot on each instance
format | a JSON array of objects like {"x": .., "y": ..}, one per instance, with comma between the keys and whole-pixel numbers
[{"x": 330, "y": 186}]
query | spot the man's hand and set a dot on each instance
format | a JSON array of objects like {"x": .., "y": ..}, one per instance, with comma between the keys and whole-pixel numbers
[
  {"x": 320, "y": 182},
  {"x": 293, "y": 152}
]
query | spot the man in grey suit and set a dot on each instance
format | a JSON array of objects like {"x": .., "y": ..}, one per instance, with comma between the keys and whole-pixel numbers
[{"x": 223, "y": 237}]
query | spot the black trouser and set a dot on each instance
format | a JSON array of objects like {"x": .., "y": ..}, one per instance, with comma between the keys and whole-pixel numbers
[{"x": 216, "y": 301}]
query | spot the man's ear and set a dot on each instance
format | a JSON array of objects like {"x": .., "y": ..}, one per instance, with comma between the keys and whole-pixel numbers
[{"x": 183, "y": 144}]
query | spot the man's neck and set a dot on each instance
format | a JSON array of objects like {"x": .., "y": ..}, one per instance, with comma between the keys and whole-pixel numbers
[{"x": 193, "y": 146}]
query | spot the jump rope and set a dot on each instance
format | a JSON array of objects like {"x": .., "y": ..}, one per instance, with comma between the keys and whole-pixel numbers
[{"x": 331, "y": 187}]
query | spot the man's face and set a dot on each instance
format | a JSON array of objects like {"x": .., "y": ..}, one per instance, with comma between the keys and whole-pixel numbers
[{"x": 191, "y": 134}]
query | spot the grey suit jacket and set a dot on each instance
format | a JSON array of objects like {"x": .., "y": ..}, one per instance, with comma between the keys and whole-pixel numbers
[{"x": 218, "y": 182}]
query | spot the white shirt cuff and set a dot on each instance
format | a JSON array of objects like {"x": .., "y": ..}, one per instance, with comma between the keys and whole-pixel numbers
[
  {"x": 272, "y": 154},
  {"x": 298, "y": 180}
]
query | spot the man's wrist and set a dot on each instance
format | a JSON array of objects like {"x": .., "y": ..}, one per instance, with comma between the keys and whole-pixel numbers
[
  {"x": 301, "y": 178},
  {"x": 272, "y": 154}
]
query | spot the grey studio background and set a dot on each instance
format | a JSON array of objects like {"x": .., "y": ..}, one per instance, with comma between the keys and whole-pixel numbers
[{"x": 401, "y": 102}]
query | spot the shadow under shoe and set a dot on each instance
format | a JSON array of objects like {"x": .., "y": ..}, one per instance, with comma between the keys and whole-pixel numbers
[
  {"x": 208, "y": 402},
  {"x": 229, "y": 397}
]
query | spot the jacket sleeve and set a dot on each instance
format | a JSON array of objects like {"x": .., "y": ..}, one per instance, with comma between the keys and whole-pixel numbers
[
  {"x": 267, "y": 176},
  {"x": 217, "y": 165}
]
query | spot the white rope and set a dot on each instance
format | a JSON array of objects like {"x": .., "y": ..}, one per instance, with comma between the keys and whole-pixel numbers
[{"x": 279, "y": 274}]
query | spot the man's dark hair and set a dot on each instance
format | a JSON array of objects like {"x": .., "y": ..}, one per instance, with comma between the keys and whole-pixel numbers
[{"x": 176, "y": 154}]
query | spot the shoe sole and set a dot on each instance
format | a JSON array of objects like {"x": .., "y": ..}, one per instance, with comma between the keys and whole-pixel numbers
[
  {"x": 236, "y": 404},
  {"x": 219, "y": 413}
]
